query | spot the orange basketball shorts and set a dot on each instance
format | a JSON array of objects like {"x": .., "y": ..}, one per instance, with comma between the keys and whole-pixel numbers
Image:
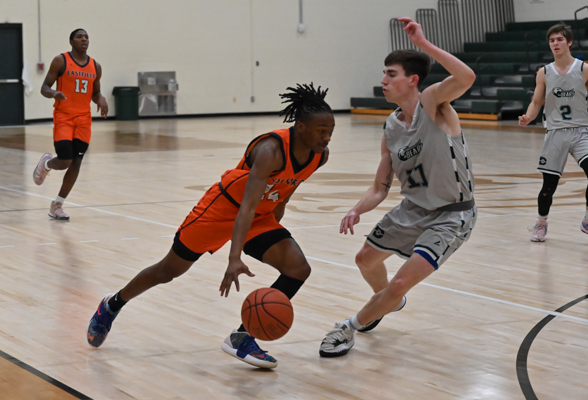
[
  {"x": 72, "y": 126},
  {"x": 210, "y": 225}
]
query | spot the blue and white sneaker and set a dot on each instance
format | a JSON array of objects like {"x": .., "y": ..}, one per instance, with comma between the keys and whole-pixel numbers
[
  {"x": 242, "y": 346},
  {"x": 101, "y": 322}
]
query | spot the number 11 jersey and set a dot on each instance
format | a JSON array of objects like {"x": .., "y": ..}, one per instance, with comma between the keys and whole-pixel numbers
[
  {"x": 434, "y": 168},
  {"x": 76, "y": 82}
]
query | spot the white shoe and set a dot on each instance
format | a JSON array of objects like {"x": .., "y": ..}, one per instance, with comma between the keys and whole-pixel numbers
[
  {"x": 338, "y": 341},
  {"x": 539, "y": 231}
]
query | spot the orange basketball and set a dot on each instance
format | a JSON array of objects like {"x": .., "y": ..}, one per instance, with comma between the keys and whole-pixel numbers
[{"x": 267, "y": 314}]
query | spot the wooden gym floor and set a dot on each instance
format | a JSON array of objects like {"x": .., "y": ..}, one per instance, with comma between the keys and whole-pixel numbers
[{"x": 484, "y": 326}]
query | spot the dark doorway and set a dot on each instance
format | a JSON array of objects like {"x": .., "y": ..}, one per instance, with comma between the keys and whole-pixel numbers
[{"x": 11, "y": 87}]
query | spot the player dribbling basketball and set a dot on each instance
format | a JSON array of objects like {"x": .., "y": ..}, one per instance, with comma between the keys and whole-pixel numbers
[{"x": 246, "y": 207}]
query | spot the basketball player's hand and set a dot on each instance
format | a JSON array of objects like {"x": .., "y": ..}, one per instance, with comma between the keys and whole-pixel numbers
[
  {"x": 235, "y": 268},
  {"x": 524, "y": 120},
  {"x": 59, "y": 96},
  {"x": 348, "y": 221},
  {"x": 413, "y": 30},
  {"x": 102, "y": 106}
]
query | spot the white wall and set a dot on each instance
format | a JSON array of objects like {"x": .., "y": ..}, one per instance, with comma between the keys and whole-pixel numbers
[
  {"x": 213, "y": 45},
  {"x": 548, "y": 10}
]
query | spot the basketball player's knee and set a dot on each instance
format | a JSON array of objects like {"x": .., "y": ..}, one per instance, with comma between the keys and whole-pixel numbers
[
  {"x": 397, "y": 287},
  {"x": 300, "y": 271},
  {"x": 362, "y": 262}
]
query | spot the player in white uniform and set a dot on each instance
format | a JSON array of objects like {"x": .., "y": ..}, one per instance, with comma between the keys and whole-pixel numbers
[
  {"x": 424, "y": 146},
  {"x": 561, "y": 86}
]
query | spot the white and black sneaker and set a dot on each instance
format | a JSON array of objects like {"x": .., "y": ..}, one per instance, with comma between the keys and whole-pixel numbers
[
  {"x": 375, "y": 322},
  {"x": 338, "y": 341}
]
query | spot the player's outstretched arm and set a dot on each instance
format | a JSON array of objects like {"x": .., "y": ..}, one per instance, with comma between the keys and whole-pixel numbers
[
  {"x": 97, "y": 96},
  {"x": 266, "y": 157},
  {"x": 56, "y": 66},
  {"x": 375, "y": 194},
  {"x": 462, "y": 77},
  {"x": 537, "y": 101}
]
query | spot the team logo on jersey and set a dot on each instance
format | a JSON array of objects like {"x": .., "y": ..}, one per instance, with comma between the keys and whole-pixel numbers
[
  {"x": 378, "y": 232},
  {"x": 407, "y": 152},
  {"x": 542, "y": 161},
  {"x": 559, "y": 92}
]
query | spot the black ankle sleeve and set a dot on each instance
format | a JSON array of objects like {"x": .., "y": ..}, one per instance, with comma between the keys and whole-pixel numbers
[{"x": 287, "y": 285}]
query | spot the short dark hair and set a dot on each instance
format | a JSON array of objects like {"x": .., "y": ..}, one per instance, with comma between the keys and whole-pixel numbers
[
  {"x": 565, "y": 30},
  {"x": 304, "y": 101},
  {"x": 414, "y": 63},
  {"x": 73, "y": 34}
]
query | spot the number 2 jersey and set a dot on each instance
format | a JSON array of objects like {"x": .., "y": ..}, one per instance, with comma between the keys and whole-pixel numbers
[
  {"x": 280, "y": 183},
  {"x": 434, "y": 168},
  {"x": 565, "y": 97},
  {"x": 76, "y": 82}
]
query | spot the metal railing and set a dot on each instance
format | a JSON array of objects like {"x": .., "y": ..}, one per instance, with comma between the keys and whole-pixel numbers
[
  {"x": 579, "y": 22},
  {"x": 458, "y": 22},
  {"x": 450, "y": 21}
]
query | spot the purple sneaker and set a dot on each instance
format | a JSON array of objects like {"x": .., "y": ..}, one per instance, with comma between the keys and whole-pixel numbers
[
  {"x": 242, "y": 346},
  {"x": 40, "y": 173},
  {"x": 101, "y": 322},
  {"x": 584, "y": 225}
]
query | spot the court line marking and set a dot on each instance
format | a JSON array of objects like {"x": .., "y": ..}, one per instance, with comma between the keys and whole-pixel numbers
[
  {"x": 89, "y": 241},
  {"x": 91, "y": 208},
  {"x": 554, "y": 313},
  {"x": 557, "y": 314}
]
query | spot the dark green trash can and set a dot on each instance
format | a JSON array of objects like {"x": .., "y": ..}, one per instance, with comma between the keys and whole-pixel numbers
[{"x": 126, "y": 102}]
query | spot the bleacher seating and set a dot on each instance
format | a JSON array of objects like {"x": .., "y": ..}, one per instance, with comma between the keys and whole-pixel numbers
[{"x": 505, "y": 66}]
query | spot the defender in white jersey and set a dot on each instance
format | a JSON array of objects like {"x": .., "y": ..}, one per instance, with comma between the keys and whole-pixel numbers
[
  {"x": 424, "y": 146},
  {"x": 561, "y": 86}
]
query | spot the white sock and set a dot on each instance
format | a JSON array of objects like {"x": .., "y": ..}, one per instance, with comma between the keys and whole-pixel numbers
[
  {"x": 60, "y": 199},
  {"x": 46, "y": 166},
  {"x": 354, "y": 323},
  {"x": 541, "y": 218},
  {"x": 586, "y": 215}
]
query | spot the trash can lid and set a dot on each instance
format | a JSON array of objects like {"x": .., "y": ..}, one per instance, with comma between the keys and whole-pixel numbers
[{"x": 125, "y": 89}]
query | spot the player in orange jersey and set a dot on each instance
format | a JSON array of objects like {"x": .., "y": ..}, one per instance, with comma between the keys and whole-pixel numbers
[
  {"x": 246, "y": 207},
  {"x": 78, "y": 83}
]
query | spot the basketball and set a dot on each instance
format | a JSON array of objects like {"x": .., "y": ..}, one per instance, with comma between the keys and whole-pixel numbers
[{"x": 267, "y": 314}]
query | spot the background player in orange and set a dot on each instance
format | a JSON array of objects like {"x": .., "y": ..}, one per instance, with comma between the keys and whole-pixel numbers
[
  {"x": 78, "y": 83},
  {"x": 245, "y": 207}
]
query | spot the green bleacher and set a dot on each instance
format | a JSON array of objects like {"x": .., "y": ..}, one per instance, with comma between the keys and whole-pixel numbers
[{"x": 505, "y": 66}]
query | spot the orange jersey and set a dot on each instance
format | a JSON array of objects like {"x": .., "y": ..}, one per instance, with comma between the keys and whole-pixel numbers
[
  {"x": 77, "y": 84},
  {"x": 280, "y": 184}
]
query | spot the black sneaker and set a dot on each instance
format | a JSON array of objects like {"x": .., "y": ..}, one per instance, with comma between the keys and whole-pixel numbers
[{"x": 375, "y": 322}]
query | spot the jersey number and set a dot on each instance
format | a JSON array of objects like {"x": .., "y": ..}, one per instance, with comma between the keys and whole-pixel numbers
[
  {"x": 411, "y": 182},
  {"x": 84, "y": 88},
  {"x": 273, "y": 196},
  {"x": 565, "y": 112}
]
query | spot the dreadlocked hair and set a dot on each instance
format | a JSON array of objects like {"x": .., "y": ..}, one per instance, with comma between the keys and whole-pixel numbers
[{"x": 304, "y": 100}]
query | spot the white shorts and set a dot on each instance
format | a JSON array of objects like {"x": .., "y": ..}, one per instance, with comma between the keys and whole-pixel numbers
[
  {"x": 558, "y": 144},
  {"x": 408, "y": 228}
]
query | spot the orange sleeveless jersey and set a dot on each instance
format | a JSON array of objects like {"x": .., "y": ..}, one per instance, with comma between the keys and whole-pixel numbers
[
  {"x": 280, "y": 184},
  {"x": 77, "y": 84}
]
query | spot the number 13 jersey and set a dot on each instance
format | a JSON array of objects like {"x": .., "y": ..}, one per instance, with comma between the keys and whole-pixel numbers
[
  {"x": 76, "y": 82},
  {"x": 565, "y": 97},
  {"x": 434, "y": 168}
]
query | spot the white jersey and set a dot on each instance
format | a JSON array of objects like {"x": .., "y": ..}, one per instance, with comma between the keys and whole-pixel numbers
[
  {"x": 565, "y": 97},
  {"x": 434, "y": 168}
]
